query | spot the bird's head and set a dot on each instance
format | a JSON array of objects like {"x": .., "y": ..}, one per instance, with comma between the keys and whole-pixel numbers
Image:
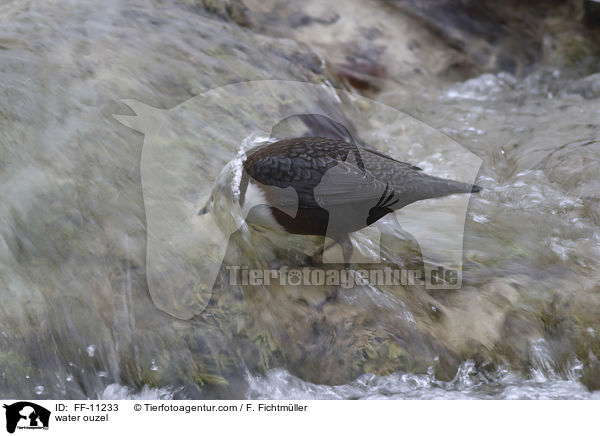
[
  {"x": 208, "y": 207},
  {"x": 224, "y": 204}
]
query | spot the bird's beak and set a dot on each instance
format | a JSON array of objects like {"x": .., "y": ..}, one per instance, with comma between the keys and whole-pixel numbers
[{"x": 207, "y": 207}]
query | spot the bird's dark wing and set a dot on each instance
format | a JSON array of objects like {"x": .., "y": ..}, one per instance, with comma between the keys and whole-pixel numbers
[
  {"x": 299, "y": 163},
  {"x": 346, "y": 184}
]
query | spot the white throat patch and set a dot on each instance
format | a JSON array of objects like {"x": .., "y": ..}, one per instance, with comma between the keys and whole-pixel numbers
[{"x": 256, "y": 209}]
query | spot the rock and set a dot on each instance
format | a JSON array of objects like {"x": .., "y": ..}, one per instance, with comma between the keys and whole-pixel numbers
[{"x": 374, "y": 47}]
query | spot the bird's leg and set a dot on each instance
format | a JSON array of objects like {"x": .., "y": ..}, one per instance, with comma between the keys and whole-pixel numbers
[
  {"x": 347, "y": 250},
  {"x": 317, "y": 257},
  {"x": 345, "y": 244}
]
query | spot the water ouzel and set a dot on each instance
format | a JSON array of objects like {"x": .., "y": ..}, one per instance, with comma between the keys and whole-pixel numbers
[{"x": 341, "y": 187}]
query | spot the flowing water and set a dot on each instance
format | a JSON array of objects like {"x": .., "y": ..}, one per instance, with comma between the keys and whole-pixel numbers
[{"x": 78, "y": 314}]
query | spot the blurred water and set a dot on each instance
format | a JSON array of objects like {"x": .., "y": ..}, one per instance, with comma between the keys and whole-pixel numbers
[{"x": 280, "y": 384}]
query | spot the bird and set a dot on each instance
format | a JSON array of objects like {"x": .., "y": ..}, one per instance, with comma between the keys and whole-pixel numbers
[{"x": 326, "y": 186}]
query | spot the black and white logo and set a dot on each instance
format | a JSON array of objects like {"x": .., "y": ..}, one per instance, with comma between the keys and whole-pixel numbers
[{"x": 26, "y": 415}]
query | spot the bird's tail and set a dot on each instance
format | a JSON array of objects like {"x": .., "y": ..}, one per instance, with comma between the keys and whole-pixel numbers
[{"x": 424, "y": 186}]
